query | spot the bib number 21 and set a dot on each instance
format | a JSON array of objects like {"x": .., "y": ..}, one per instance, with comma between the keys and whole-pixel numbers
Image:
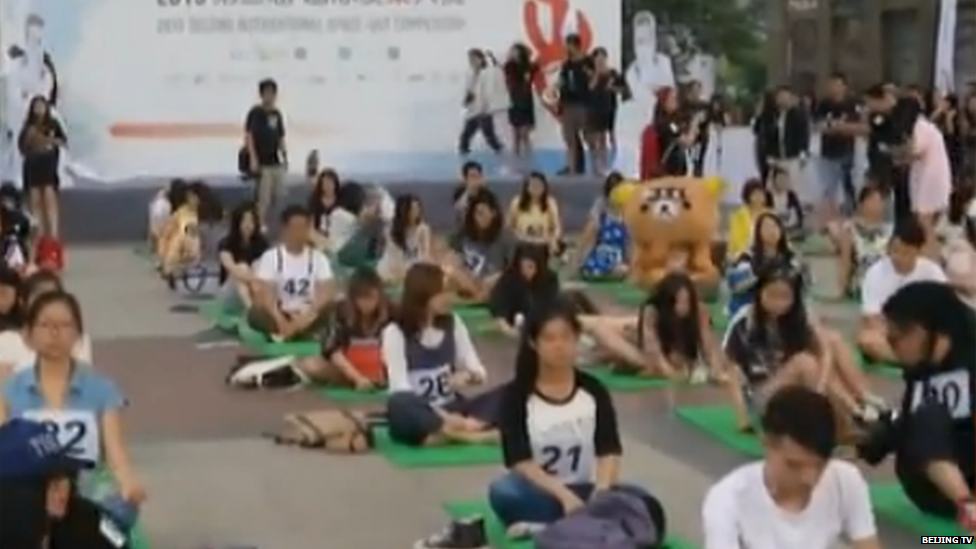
[{"x": 558, "y": 461}]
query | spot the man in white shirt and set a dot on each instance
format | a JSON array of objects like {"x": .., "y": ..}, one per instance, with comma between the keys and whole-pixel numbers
[
  {"x": 903, "y": 264},
  {"x": 797, "y": 497},
  {"x": 296, "y": 282}
]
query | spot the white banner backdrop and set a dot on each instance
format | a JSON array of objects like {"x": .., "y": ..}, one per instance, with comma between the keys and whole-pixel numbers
[
  {"x": 160, "y": 87},
  {"x": 945, "y": 47}
]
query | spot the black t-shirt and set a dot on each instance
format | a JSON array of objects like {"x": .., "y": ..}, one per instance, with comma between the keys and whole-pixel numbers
[
  {"x": 512, "y": 295},
  {"x": 757, "y": 354},
  {"x": 952, "y": 384},
  {"x": 828, "y": 111},
  {"x": 574, "y": 81},
  {"x": 267, "y": 129},
  {"x": 564, "y": 437},
  {"x": 242, "y": 252}
]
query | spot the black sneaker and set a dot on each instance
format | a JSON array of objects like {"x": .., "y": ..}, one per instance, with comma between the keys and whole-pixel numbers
[{"x": 468, "y": 533}]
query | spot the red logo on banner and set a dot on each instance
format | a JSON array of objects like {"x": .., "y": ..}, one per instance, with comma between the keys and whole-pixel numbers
[{"x": 549, "y": 44}]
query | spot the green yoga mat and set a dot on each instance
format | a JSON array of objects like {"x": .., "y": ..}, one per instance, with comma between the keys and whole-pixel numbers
[
  {"x": 223, "y": 318},
  {"x": 259, "y": 343},
  {"x": 454, "y": 455},
  {"x": 878, "y": 368},
  {"x": 498, "y": 539},
  {"x": 626, "y": 383},
  {"x": 891, "y": 503},
  {"x": 345, "y": 395},
  {"x": 719, "y": 422}
]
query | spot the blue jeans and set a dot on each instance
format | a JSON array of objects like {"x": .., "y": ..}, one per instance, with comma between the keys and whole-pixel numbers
[
  {"x": 513, "y": 499},
  {"x": 836, "y": 175}
]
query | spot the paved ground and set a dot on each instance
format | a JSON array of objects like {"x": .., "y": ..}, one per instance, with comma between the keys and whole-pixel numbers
[{"x": 214, "y": 482}]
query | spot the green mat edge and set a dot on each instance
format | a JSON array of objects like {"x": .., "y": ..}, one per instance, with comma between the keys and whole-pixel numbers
[
  {"x": 345, "y": 395},
  {"x": 258, "y": 342},
  {"x": 624, "y": 383},
  {"x": 384, "y": 445},
  {"x": 692, "y": 415},
  {"x": 890, "y": 502},
  {"x": 498, "y": 539}
]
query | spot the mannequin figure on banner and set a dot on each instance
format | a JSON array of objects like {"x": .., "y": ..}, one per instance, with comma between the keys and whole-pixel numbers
[{"x": 650, "y": 72}]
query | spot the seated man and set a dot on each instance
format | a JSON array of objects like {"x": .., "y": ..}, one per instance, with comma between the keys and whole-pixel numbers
[
  {"x": 902, "y": 266},
  {"x": 797, "y": 497},
  {"x": 933, "y": 336},
  {"x": 296, "y": 282}
]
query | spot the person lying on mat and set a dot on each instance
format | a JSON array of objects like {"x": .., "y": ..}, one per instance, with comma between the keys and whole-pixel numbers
[
  {"x": 179, "y": 242},
  {"x": 80, "y": 405},
  {"x": 774, "y": 342},
  {"x": 429, "y": 359},
  {"x": 797, "y": 497},
  {"x": 932, "y": 335},
  {"x": 675, "y": 330},
  {"x": 533, "y": 215},
  {"x": 39, "y": 494},
  {"x": 15, "y": 348},
  {"x": 296, "y": 282},
  {"x": 560, "y": 439},
  {"x": 604, "y": 247},
  {"x": 481, "y": 249},
  {"x": 770, "y": 245},
  {"x": 238, "y": 252},
  {"x": 407, "y": 241},
  {"x": 321, "y": 203},
  {"x": 351, "y": 347},
  {"x": 903, "y": 264}
]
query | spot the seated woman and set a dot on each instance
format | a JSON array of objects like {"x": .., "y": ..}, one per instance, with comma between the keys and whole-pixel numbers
[
  {"x": 15, "y": 350},
  {"x": 770, "y": 246},
  {"x": 10, "y": 320},
  {"x": 356, "y": 230},
  {"x": 429, "y": 359},
  {"x": 481, "y": 249},
  {"x": 179, "y": 242},
  {"x": 351, "y": 349},
  {"x": 533, "y": 215},
  {"x": 861, "y": 241},
  {"x": 78, "y": 404},
  {"x": 958, "y": 237},
  {"x": 755, "y": 201},
  {"x": 407, "y": 242},
  {"x": 676, "y": 332},
  {"x": 161, "y": 209},
  {"x": 774, "y": 342},
  {"x": 560, "y": 439},
  {"x": 604, "y": 247},
  {"x": 238, "y": 252},
  {"x": 295, "y": 283},
  {"x": 322, "y": 202}
]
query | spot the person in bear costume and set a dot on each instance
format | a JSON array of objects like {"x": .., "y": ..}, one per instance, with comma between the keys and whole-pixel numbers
[{"x": 672, "y": 222}]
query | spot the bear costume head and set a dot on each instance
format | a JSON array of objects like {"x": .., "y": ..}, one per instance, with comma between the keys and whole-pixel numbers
[{"x": 672, "y": 222}]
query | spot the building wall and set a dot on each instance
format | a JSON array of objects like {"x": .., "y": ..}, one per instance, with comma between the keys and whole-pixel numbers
[{"x": 868, "y": 40}]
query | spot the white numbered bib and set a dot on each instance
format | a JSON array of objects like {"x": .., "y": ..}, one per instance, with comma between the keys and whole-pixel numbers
[
  {"x": 950, "y": 389},
  {"x": 77, "y": 431},
  {"x": 434, "y": 385},
  {"x": 295, "y": 293},
  {"x": 570, "y": 462}
]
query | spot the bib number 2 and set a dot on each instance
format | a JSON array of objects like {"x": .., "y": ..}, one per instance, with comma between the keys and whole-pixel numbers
[{"x": 559, "y": 461}]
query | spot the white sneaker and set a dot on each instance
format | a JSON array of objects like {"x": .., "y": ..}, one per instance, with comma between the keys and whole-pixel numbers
[
  {"x": 699, "y": 375},
  {"x": 524, "y": 530}
]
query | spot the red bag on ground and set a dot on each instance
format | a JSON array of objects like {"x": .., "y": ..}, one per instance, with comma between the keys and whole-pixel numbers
[
  {"x": 650, "y": 158},
  {"x": 49, "y": 254}
]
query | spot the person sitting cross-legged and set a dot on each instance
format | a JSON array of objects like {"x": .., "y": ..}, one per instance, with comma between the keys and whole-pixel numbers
[
  {"x": 296, "y": 283},
  {"x": 797, "y": 497},
  {"x": 904, "y": 264},
  {"x": 429, "y": 359}
]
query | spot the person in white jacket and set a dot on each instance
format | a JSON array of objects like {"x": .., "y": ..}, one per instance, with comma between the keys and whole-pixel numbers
[{"x": 485, "y": 96}]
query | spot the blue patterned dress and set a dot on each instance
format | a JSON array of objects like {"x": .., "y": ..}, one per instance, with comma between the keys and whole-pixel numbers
[{"x": 610, "y": 250}]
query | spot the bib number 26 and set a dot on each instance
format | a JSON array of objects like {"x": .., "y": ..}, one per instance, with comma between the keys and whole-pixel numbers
[{"x": 435, "y": 387}]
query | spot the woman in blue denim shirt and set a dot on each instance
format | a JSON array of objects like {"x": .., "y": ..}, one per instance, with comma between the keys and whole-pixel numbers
[{"x": 78, "y": 404}]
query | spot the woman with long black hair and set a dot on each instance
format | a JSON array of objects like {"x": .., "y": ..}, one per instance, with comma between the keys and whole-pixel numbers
[
  {"x": 40, "y": 142},
  {"x": 520, "y": 72},
  {"x": 560, "y": 438},
  {"x": 407, "y": 241},
  {"x": 770, "y": 246},
  {"x": 321, "y": 203},
  {"x": 774, "y": 342},
  {"x": 238, "y": 252},
  {"x": 482, "y": 249},
  {"x": 533, "y": 214}
]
